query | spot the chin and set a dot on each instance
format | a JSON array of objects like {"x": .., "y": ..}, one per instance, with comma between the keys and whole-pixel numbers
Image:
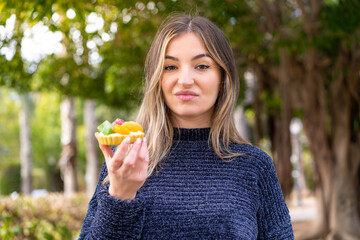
[{"x": 187, "y": 114}]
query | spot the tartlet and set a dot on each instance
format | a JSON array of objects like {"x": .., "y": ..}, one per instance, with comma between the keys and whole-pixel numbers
[{"x": 114, "y": 133}]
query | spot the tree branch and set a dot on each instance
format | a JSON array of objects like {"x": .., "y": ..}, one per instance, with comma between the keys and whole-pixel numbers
[
  {"x": 304, "y": 17},
  {"x": 354, "y": 79},
  {"x": 271, "y": 14},
  {"x": 316, "y": 7},
  {"x": 311, "y": 21}
]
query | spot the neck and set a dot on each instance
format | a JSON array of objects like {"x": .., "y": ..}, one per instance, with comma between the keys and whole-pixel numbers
[{"x": 190, "y": 122}]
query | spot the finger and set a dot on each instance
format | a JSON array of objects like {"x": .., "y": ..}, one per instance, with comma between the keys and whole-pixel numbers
[
  {"x": 130, "y": 159},
  {"x": 132, "y": 156},
  {"x": 105, "y": 149},
  {"x": 107, "y": 152},
  {"x": 120, "y": 153},
  {"x": 143, "y": 152}
]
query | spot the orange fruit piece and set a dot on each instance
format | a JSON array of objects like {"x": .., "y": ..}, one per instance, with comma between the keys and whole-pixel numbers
[
  {"x": 133, "y": 126},
  {"x": 121, "y": 129}
]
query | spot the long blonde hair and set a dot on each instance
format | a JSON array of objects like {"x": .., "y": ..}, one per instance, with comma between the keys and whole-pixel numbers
[{"x": 153, "y": 113}]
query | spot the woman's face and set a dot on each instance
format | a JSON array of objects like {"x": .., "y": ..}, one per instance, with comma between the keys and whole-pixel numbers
[{"x": 190, "y": 82}]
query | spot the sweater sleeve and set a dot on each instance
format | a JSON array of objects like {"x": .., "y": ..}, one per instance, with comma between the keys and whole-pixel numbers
[
  {"x": 111, "y": 218},
  {"x": 273, "y": 215}
]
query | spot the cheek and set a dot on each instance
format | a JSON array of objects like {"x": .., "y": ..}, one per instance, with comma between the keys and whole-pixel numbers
[
  {"x": 214, "y": 88},
  {"x": 166, "y": 89},
  {"x": 164, "y": 86},
  {"x": 215, "y": 93}
]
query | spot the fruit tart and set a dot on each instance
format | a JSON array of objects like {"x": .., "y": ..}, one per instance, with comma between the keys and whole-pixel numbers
[{"x": 114, "y": 133}]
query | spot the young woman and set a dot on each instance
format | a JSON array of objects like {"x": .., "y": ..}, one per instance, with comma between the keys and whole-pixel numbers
[{"x": 193, "y": 176}]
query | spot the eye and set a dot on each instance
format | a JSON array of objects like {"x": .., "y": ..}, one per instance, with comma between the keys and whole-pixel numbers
[
  {"x": 202, "y": 67},
  {"x": 170, "y": 68}
]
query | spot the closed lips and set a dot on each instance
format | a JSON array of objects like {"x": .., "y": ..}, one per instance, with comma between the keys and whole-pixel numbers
[
  {"x": 186, "y": 95},
  {"x": 185, "y": 92}
]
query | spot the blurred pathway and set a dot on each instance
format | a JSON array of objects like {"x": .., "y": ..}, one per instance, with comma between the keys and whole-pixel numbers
[
  {"x": 302, "y": 215},
  {"x": 304, "y": 212}
]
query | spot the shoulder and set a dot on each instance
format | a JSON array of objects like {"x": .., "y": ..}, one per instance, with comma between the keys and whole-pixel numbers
[{"x": 254, "y": 155}]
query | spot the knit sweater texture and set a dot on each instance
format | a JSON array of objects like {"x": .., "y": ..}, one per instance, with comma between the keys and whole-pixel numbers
[{"x": 196, "y": 195}]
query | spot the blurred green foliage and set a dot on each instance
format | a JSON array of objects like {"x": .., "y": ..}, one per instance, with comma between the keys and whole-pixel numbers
[
  {"x": 9, "y": 178},
  {"x": 121, "y": 44},
  {"x": 126, "y": 31},
  {"x": 50, "y": 217},
  {"x": 9, "y": 125},
  {"x": 45, "y": 139},
  {"x": 9, "y": 142}
]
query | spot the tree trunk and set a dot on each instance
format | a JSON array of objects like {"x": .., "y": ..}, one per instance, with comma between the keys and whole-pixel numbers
[
  {"x": 283, "y": 146},
  {"x": 314, "y": 105},
  {"x": 344, "y": 211},
  {"x": 25, "y": 144},
  {"x": 67, "y": 161},
  {"x": 277, "y": 122},
  {"x": 334, "y": 136},
  {"x": 92, "y": 168},
  {"x": 258, "y": 103}
]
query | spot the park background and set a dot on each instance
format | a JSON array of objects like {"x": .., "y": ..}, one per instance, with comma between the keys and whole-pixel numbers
[{"x": 66, "y": 66}]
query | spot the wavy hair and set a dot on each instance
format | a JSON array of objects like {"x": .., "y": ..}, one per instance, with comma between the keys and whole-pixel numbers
[{"x": 153, "y": 113}]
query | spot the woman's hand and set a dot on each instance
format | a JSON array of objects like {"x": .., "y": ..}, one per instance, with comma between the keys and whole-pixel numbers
[{"x": 127, "y": 170}]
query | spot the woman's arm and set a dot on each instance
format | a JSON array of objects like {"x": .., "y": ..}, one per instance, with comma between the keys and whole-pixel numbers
[
  {"x": 92, "y": 207},
  {"x": 109, "y": 216},
  {"x": 273, "y": 215},
  {"x": 103, "y": 221}
]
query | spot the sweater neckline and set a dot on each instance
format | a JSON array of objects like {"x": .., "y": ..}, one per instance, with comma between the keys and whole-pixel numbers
[{"x": 192, "y": 134}]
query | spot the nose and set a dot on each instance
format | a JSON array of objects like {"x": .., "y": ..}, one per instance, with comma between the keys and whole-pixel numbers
[{"x": 185, "y": 77}]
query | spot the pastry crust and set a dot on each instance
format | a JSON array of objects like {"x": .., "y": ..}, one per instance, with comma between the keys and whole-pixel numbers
[{"x": 116, "y": 139}]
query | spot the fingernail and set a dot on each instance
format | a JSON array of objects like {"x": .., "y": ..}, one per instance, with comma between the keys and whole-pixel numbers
[
  {"x": 138, "y": 141},
  {"x": 127, "y": 139},
  {"x": 144, "y": 139}
]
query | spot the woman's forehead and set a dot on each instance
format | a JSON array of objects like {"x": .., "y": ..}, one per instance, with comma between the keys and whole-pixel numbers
[{"x": 186, "y": 43}]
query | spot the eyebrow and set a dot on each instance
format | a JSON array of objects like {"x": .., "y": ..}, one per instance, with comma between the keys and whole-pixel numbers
[{"x": 194, "y": 58}]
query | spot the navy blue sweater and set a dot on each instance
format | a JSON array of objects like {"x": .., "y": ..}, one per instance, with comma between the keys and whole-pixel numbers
[{"x": 196, "y": 195}]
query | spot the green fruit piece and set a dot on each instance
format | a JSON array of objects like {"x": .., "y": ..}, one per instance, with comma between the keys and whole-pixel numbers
[{"x": 106, "y": 127}]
